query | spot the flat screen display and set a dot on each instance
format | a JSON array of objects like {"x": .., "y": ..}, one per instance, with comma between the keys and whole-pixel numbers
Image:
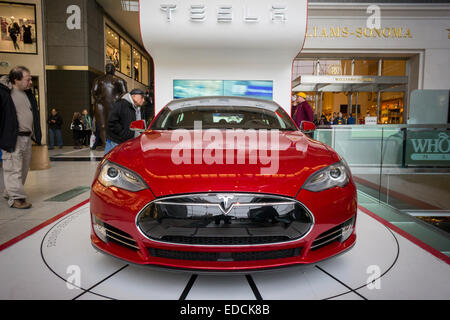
[
  {"x": 237, "y": 88},
  {"x": 254, "y": 89},
  {"x": 227, "y": 118}
]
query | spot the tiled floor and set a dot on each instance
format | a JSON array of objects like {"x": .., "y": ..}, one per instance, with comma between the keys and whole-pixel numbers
[{"x": 42, "y": 185}]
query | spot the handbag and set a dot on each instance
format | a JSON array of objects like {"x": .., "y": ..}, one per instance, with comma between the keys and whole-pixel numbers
[
  {"x": 92, "y": 141},
  {"x": 76, "y": 127}
]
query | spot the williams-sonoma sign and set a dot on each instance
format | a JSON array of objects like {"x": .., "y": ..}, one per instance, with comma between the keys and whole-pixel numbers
[{"x": 360, "y": 32}]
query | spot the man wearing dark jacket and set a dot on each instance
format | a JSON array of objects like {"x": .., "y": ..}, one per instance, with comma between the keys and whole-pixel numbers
[
  {"x": 54, "y": 129},
  {"x": 19, "y": 125},
  {"x": 123, "y": 112}
]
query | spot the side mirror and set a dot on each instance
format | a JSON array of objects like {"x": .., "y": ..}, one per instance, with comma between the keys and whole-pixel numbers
[
  {"x": 138, "y": 125},
  {"x": 307, "y": 126}
]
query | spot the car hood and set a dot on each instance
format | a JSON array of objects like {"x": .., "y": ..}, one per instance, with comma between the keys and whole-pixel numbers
[{"x": 177, "y": 162}]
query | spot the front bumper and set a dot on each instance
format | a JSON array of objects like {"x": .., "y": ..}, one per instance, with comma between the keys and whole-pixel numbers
[{"x": 118, "y": 210}]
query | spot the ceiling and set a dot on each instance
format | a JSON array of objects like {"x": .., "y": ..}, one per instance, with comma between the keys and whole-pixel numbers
[{"x": 129, "y": 21}]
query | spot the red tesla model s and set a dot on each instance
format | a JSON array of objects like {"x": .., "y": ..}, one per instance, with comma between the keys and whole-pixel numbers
[{"x": 223, "y": 184}]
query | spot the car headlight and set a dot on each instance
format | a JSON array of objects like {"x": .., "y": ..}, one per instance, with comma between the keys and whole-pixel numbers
[
  {"x": 336, "y": 175},
  {"x": 117, "y": 176}
]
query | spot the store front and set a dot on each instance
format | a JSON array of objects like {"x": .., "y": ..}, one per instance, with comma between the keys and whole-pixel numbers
[
  {"x": 18, "y": 27},
  {"x": 357, "y": 87},
  {"x": 350, "y": 66},
  {"x": 129, "y": 59}
]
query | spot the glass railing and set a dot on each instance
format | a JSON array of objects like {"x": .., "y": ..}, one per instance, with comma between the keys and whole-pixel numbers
[{"x": 402, "y": 173}]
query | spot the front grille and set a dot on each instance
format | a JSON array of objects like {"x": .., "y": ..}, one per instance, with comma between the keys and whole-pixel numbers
[
  {"x": 266, "y": 255},
  {"x": 224, "y": 240},
  {"x": 227, "y": 219},
  {"x": 183, "y": 255},
  {"x": 119, "y": 237},
  {"x": 225, "y": 256}
]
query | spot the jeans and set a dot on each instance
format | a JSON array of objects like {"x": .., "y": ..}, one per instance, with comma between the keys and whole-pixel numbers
[
  {"x": 52, "y": 133},
  {"x": 110, "y": 145}
]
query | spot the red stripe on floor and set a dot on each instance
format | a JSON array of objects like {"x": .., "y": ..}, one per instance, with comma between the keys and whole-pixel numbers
[
  {"x": 42, "y": 225},
  {"x": 408, "y": 236}
]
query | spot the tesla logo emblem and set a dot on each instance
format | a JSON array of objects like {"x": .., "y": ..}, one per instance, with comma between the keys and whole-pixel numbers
[{"x": 225, "y": 197}]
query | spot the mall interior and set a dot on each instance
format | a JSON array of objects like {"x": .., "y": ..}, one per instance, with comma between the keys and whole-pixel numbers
[{"x": 393, "y": 79}]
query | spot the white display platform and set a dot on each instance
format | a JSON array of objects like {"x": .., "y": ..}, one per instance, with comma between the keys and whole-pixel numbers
[{"x": 42, "y": 265}]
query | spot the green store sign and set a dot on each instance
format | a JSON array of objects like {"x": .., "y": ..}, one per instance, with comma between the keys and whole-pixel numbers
[{"x": 428, "y": 148}]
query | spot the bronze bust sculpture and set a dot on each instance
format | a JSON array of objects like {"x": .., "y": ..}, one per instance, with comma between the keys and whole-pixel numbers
[{"x": 106, "y": 90}]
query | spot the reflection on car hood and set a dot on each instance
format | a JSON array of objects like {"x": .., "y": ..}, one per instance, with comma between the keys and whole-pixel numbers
[{"x": 177, "y": 162}]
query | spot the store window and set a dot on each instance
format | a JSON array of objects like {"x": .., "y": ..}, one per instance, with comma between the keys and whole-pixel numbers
[
  {"x": 365, "y": 104},
  {"x": 334, "y": 67},
  {"x": 145, "y": 71},
  {"x": 391, "y": 109},
  {"x": 359, "y": 99},
  {"x": 125, "y": 57},
  {"x": 334, "y": 102},
  {"x": 393, "y": 68},
  {"x": 365, "y": 67},
  {"x": 18, "y": 28},
  {"x": 303, "y": 67},
  {"x": 112, "y": 48},
  {"x": 344, "y": 67},
  {"x": 137, "y": 70}
]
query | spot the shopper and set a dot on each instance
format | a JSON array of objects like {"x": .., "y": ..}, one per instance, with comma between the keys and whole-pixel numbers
[
  {"x": 332, "y": 120},
  {"x": 123, "y": 112},
  {"x": 19, "y": 125},
  {"x": 350, "y": 119},
  {"x": 340, "y": 119},
  {"x": 87, "y": 124},
  {"x": 77, "y": 130},
  {"x": 54, "y": 129},
  {"x": 303, "y": 111},
  {"x": 323, "y": 120},
  {"x": 362, "y": 120}
]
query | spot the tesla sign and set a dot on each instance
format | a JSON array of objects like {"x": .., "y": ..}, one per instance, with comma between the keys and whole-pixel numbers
[{"x": 197, "y": 13}]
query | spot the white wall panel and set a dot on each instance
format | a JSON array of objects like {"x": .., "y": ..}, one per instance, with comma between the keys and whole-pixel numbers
[{"x": 209, "y": 49}]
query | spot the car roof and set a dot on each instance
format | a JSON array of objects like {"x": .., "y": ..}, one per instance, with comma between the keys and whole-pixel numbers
[{"x": 222, "y": 101}]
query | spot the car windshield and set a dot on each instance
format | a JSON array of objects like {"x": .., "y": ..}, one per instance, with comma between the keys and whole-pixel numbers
[{"x": 223, "y": 117}]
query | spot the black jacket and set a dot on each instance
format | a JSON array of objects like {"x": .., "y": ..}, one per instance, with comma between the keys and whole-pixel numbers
[
  {"x": 9, "y": 126},
  {"x": 120, "y": 117},
  {"x": 58, "y": 122}
]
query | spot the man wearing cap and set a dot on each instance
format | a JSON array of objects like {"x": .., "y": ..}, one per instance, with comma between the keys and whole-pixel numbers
[
  {"x": 303, "y": 111},
  {"x": 123, "y": 112}
]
